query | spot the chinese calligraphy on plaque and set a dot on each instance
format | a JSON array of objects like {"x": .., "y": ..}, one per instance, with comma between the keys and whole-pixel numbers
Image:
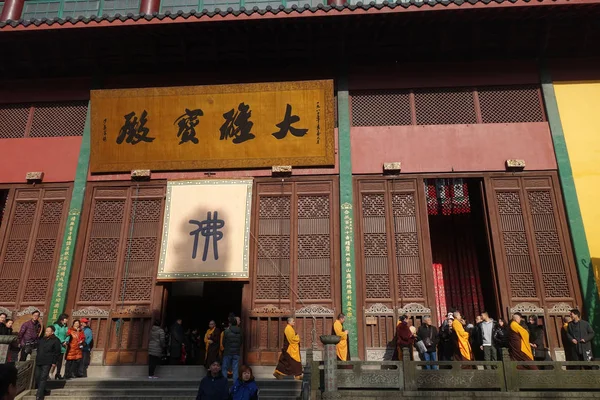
[
  {"x": 213, "y": 127},
  {"x": 204, "y": 237}
]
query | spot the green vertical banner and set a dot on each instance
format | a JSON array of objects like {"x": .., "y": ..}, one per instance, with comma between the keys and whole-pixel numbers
[
  {"x": 347, "y": 217},
  {"x": 583, "y": 262},
  {"x": 65, "y": 262}
]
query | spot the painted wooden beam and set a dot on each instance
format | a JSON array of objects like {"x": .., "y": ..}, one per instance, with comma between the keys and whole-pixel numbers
[
  {"x": 348, "y": 266},
  {"x": 65, "y": 262},
  {"x": 589, "y": 289}
]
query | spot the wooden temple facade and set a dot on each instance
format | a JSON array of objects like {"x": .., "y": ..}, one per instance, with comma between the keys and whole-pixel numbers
[{"x": 445, "y": 190}]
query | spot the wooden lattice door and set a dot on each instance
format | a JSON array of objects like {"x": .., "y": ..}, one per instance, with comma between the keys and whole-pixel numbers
[
  {"x": 296, "y": 265},
  {"x": 119, "y": 260},
  {"x": 393, "y": 250},
  {"x": 32, "y": 230},
  {"x": 535, "y": 264}
]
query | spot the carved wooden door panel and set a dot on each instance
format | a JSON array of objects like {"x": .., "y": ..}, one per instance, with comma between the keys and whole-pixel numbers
[
  {"x": 119, "y": 259},
  {"x": 536, "y": 268},
  {"x": 393, "y": 252},
  {"x": 33, "y": 224},
  {"x": 296, "y": 264}
]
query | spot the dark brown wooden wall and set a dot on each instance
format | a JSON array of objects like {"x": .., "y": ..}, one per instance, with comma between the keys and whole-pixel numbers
[
  {"x": 295, "y": 245},
  {"x": 533, "y": 267},
  {"x": 535, "y": 264},
  {"x": 31, "y": 235},
  {"x": 118, "y": 251}
]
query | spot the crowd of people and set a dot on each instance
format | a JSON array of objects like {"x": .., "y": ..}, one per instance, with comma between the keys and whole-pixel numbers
[
  {"x": 483, "y": 340},
  {"x": 222, "y": 354},
  {"x": 454, "y": 340},
  {"x": 54, "y": 344},
  {"x": 176, "y": 346}
]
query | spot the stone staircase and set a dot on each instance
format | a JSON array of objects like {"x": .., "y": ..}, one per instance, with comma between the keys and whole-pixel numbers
[{"x": 141, "y": 389}]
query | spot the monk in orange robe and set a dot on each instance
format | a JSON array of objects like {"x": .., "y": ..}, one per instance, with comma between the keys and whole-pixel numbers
[
  {"x": 341, "y": 348},
  {"x": 212, "y": 342},
  {"x": 462, "y": 345},
  {"x": 289, "y": 360},
  {"x": 519, "y": 346}
]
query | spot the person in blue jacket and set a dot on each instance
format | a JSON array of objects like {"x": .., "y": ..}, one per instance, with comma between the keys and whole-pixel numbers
[
  {"x": 245, "y": 387},
  {"x": 87, "y": 347},
  {"x": 214, "y": 385},
  {"x": 60, "y": 331}
]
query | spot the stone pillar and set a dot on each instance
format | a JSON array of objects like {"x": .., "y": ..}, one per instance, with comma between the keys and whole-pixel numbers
[
  {"x": 12, "y": 10},
  {"x": 149, "y": 6},
  {"x": 330, "y": 358}
]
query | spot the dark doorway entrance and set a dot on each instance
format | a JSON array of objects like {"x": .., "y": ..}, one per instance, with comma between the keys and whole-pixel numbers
[
  {"x": 460, "y": 247},
  {"x": 197, "y": 303}
]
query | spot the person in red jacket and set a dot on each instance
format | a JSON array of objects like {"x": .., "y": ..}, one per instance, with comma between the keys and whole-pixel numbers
[
  {"x": 75, "y": 341},
  {"x": 404, "y": 337}
]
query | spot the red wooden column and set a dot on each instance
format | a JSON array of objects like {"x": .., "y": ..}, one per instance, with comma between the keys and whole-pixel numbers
[
  {"x": 149, "y": 6},
  {"x": 12, "y": 10},
  {"x": 337, "y": 2}
]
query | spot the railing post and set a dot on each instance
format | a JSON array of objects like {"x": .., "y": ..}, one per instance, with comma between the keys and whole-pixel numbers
[
  {"x": 410, "y": 383},
  {"x": 307, "y": 373},
  {"x": 330, "y": 367},
  {"x": 5, "y": 341},
  {"x": 508, "y": 370}
]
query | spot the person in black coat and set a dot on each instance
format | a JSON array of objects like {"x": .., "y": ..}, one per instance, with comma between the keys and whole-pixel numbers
[
  {"x": 214, "y": 385},
  {"x": 428, "y": 334},
  {"x": 176, "y": 342},
  {"x": 3, "y": 328},
  {"x": 48, "y": 353},
  {"x": 500, "y": 337},
  {"x": 580, "y": 333},
  {"x": 536, "y": 338}
]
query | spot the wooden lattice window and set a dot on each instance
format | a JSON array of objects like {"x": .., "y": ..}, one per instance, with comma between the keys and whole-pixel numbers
[
  {"x": 447, "y": 106},
  {"x": 121, "y": 245},
  {"x": 32, "y": 238},
  {"x": 533, "y": 240},
  {"x": 42, "y": 120},
  {"x": 295, "y": 243},
  {"x": 391, "y": 242}
]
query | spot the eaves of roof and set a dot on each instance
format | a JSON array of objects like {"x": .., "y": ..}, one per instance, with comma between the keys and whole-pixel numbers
[{"x": 271, "y": 13}]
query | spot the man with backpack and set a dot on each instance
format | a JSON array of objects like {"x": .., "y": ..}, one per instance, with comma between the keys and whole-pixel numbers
[{"x": 88, "y": 345}]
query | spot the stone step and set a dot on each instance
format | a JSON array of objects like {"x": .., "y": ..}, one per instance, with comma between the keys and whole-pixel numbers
[
  {"x": 134, "y": 396},
  {"x": 149, "y": 391},
  {"x": 144, "y": 388},
  {"x": 91, "y": 383}
]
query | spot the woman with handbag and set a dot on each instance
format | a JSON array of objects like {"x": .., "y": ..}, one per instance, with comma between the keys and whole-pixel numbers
[{"x": 427, "y": 339}]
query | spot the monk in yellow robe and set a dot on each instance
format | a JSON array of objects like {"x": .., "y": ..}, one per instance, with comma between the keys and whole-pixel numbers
[
  {"x": 342, "y": 347},
  {"x": 462, "y": 346},
  {"x": 212, "y": 344},
  {"x": 519, "y": 346},
  {"x": 289, "y": 360}
]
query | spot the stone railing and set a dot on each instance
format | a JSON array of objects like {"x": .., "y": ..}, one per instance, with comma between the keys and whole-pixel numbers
[
  {"x": 25, "y": 369},
  {"x": 406, "y": 375}
]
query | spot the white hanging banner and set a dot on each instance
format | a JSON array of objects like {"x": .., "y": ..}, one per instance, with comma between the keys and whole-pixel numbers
[{"x": 206, "y": 229}]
